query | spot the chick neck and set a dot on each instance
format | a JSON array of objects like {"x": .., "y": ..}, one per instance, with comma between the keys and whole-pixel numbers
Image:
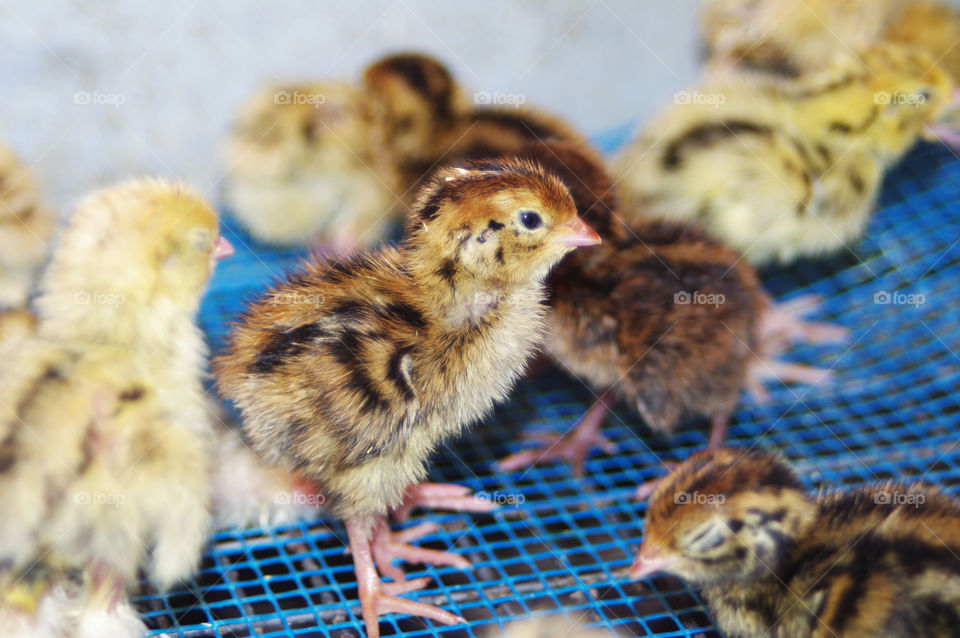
[{"x": 456, "y": 298}]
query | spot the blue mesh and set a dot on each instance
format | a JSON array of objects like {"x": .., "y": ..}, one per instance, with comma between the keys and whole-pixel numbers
[{"x": 889, "y": 412}]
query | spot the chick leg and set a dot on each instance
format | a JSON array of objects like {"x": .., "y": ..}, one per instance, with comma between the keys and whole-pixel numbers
[
  {"x": 719, "y": 426},
  {"x": 446, "y": 496},
  {"x": 377, "y": 598},
  {"x": 574, "y": 446}
]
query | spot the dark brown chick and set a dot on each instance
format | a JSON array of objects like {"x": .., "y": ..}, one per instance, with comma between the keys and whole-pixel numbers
[
  {"x": 880, "y": 560},
  {"x": 430, "y": 123},
  {"x": 659, "y": 316},
  {"x": 354, "y": 372}
]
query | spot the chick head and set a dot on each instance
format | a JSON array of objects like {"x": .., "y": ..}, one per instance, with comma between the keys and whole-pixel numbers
[
  {"x": 293, "y": 127},
  {"x": 909, "y": 90},
  {"x": 418, "y": 96},
  {"x": 724, "y": 515},
  {"x": 147, "y": 244},
  {"x": 500, "y": 221}
]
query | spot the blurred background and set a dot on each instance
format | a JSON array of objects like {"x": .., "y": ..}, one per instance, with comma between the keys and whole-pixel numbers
[{"x": 97, "y": 92}]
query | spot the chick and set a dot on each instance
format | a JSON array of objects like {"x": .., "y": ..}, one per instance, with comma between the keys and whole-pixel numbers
[
  {"x": 795, "y": 38},
  {"x": 880, "y": 560},
  {"x": 779, "y": 172},
  {"x": 430, "y": 124},
  {"x": 104, "y": 435},
  {"x": 789, "y": 37},
  {"x": 308, "y": 164},
  {"x": 26, "y": 227},
  {"x": 659, "y": 316},
  {"x": 393, "y": 352}
]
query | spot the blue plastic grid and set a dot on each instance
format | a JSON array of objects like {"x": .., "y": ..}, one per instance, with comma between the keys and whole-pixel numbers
[{"x": 890, "y": 412}]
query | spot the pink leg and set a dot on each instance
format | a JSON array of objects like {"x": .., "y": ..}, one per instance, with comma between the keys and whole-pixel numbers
[
  {"x": 388, "y": 546},
  {"x": 573, "y": 447},
  {"x": 782, "y": 324},
  {"x": 718, "y": 438},
  {"x": 445, "y": 496},
  {"x": 377, "y": 598}
]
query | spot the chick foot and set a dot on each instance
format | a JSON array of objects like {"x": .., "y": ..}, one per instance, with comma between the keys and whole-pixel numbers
[
  {"x": 718, "y": 438},
  {"x": 444, "y": 496},
  {"x": 783, "y": 324},
  {"x": 572, "y": 447},
  {"x": 376, "y": 597}
]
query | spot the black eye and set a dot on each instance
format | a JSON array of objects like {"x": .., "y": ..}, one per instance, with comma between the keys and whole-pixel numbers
[{"x": 530, "y": 220}]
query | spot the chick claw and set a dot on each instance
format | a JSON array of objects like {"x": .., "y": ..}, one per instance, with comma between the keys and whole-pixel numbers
[
  {"x": 572, "y": 447},
  {"x": 376, "y": 597},
  {"x": 445, "y": 496}
]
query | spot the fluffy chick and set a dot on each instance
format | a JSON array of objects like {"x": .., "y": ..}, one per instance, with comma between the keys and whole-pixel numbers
[
  {"x": 26, "y": 228},
  {"x": 792, "y": 38},
  {"x": 795, "y": 38},
  {"x": 354, "y": 372},
  {"x": 777, "y": 171},
  {"x": 308, "y": 163},
  {"x": 430, "y": 123},
  {"x": 880, "y": 560},
  {"x": 104, "y": 435}
]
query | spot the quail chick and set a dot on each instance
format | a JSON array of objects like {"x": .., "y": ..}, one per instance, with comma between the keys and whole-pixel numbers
[
  {"x": 394, "y": 351},
  {"x": 779, "y": 172},
  {"x": 104, "y": 435},
  {"x": 658, "y": 297},
  {"x": 26, "y": 228},
  {"x": 308, "y": 164},
  {"x": 430, "y": 124},
  {"x": 791, "y": 38},
  {"x": 880, "y": 560},
  {"x": 796, "y": 38}
]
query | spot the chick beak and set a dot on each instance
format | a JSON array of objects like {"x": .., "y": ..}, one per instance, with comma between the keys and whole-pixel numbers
[
  {"x": 648, "y": 562},
  {"x": 221, "y": 249},
  {"x": 575, "y": 233}
]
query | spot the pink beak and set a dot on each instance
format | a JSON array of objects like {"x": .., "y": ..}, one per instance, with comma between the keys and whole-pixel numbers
[
  {"x": 576, "y": 233},
  {"x": 221, "y": 249},
  {"x": 647, "y": 563}
]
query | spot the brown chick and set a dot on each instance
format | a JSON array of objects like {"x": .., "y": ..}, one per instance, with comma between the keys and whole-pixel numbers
[
  {"x": 381, "y": 358},
  {"x": 773, "y": 561},
  {"x": 308, "y": 164},
  {"x": 26, "y": 228},
  {"x": 657, "y": 297},
  {"x": 430, "y": 124},
  {"x": 104, "y": 434}
]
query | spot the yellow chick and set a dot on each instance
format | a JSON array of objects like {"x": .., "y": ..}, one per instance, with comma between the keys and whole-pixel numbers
[
  {"x": 308, "y": 163},
  {"x": 26, "y": 227},
  {"x": 793, "y": 38},
  {"x": 784, "y": 170},
  {"x": 104, "y": 434}
]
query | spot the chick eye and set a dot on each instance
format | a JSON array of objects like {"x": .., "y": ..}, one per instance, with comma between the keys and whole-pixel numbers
[{"x": 530, "y": 220}]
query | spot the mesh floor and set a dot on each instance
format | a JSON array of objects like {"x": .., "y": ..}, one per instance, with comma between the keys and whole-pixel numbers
[{"x": 890, "y": 412}]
